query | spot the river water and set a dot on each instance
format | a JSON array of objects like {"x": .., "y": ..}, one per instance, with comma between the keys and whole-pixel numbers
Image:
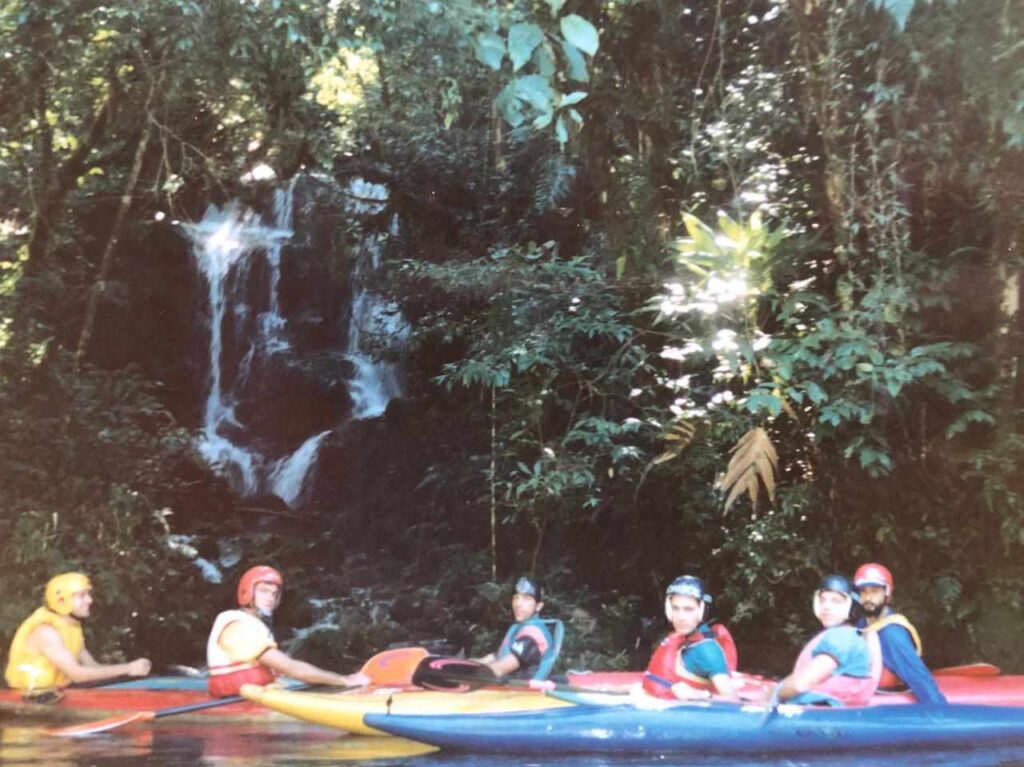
[{"x": 207, "y": 745}]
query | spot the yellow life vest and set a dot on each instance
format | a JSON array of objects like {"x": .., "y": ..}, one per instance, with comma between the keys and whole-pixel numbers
[
  {"x": 889, "y": 679},
  {"x": 30, "y": 670},
  {"x": 896, "y": 619}
]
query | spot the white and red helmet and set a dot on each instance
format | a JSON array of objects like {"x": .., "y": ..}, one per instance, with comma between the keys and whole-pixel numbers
[{"x": 874, "y": 574}]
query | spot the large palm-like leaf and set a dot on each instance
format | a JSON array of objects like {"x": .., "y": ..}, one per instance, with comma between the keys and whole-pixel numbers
[{"x": 754, "y": 461}]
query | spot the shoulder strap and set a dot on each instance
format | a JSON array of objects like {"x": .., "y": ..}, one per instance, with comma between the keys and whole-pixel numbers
[
  {"x": 724, "y": 638},
  {"x": 896, "y": 619},
  {"x": 556, "y": 630}
]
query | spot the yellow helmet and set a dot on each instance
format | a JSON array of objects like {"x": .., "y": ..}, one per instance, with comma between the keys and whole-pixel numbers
[{"x": 61, "y": 587}]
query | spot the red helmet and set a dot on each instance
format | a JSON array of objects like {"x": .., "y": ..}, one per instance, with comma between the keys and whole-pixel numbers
[
  {"x": 874, "y": 574},
  {"x": 252, "y": 576}
]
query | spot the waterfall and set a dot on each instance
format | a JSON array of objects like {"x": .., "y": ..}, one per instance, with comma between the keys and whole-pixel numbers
[
  {"x": 251, "y": 359},
  {"x": 374, "y": 320},
  {"x": 221, "y": 241},
  {"x": 288, "y": 477}
]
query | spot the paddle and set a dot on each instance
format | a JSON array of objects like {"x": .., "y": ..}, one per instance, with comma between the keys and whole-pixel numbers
[
  {"x": 388, "y": 668},
  {"x": 969, "y": 669},
  {"x": 772, "y": 706},
  {"x": 462, "y": 675}
]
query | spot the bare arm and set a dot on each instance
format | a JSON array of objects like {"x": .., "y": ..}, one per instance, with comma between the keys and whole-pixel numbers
[
  {"x": 85, "y": 668},
  {"x": 288, "y": 666},
  {"x": 817, "y": 671}
]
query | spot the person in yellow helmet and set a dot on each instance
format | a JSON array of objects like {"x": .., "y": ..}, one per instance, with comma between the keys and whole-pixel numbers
[{"x": 48, "y": 650}]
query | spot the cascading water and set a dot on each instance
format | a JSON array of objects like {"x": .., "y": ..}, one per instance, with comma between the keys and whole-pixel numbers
[
  {"x": 374, "y": 318},
  {"x": 240, "y": 259}
]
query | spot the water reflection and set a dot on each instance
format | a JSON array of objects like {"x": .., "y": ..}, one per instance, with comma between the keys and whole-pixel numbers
[{"x": 170, "y": 745}]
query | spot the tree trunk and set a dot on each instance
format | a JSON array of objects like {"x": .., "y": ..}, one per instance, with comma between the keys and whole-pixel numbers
[{"x": 107, "y": 260}]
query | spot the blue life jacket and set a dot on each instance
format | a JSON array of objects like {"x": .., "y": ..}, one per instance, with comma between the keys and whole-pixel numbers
[{"x": 547, "y": 633}]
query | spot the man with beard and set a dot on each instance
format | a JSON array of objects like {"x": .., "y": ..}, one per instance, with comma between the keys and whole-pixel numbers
[
  {"x": 901, "y": 644},
  {"x": 48, "y": 651}
]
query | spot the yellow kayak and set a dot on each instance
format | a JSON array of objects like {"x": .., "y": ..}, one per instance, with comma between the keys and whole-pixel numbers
[{"x": 345, "y": 710}]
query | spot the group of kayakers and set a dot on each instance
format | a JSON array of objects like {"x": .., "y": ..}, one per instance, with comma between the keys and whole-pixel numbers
[
  {"x": 48, "y": 652},
  {"x": 863, "y": 644}
]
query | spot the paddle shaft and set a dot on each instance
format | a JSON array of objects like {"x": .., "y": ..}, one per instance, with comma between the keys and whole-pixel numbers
[
  {"x": 384, "y": 666},
  {"x": 463, "y": 675},
  {"x": 161, "y": 713}
]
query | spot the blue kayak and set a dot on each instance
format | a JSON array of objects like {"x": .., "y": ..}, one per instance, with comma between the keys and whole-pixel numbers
[{"x": 713, "y": 728}]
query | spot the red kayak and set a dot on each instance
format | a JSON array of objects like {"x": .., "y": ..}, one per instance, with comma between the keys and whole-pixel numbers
[
  {"x": 978, "y": 683},
  {"x": 137, "y": 695}
]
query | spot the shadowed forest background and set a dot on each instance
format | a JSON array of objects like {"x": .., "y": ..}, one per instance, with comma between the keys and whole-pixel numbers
[{"x": 723, "y": 287}]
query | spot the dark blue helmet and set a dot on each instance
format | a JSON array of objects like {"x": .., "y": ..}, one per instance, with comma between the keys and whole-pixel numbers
[
  {"x": 840, "y": 584},
  {"x": 530, "y": 587},
  {"x": 689, "y": 586}
]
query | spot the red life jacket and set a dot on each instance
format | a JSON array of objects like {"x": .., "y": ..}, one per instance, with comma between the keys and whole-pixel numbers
[
  {"x": 225, "y": 685},
  {"x": 666, "y": 667}
]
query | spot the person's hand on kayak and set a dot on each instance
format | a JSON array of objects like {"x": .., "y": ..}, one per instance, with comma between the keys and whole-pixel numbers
[
  {"x": 358, "y": 679},
  {"x": 683, "y": 691}
]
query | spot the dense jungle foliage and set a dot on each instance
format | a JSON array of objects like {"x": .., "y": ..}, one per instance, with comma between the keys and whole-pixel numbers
[{"x": 728, "y": 287}]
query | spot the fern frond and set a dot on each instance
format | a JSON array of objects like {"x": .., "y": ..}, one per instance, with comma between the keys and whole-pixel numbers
[
  {"x": 754, "y": 462},
  {"x": 679, "y": 434}
]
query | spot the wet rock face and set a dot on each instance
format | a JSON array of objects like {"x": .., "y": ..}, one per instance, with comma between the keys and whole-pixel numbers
[
  {"x": 295, "y": 395},
  {"x": 291, "y": 364}
]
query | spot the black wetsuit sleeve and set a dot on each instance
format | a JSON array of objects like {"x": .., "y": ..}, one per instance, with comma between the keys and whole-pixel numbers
[{"x": 526, "y": 652}]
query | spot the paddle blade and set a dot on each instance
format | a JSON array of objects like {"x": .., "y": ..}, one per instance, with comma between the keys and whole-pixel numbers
[
  {"x": 453, "y": 674},
  {"x": 394, "y": 668},
  {"x": 970, "y": 669},
  {"x": 103, "y": 725}
]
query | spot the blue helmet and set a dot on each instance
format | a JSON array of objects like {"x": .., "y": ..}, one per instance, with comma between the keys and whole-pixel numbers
[
  {"x": 688, "y": 586},
  {"x": 840, "y": 584},
  {"x": 530, "y": 587}
]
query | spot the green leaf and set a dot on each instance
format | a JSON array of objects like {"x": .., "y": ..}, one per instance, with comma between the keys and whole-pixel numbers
[
  {"x": 556, "y": 6},
  {"x": 536, "y": 91},
  {"x": 510, "y": 106},
  {"x": 544, "y": 60},
  {"x": 522, "y": 39},
  {"x": 580, "y": 33},
  {"x": 490, "y": 50},
  {"x": 569, "y": 99},
  {"x": 577, "y": 65}
]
